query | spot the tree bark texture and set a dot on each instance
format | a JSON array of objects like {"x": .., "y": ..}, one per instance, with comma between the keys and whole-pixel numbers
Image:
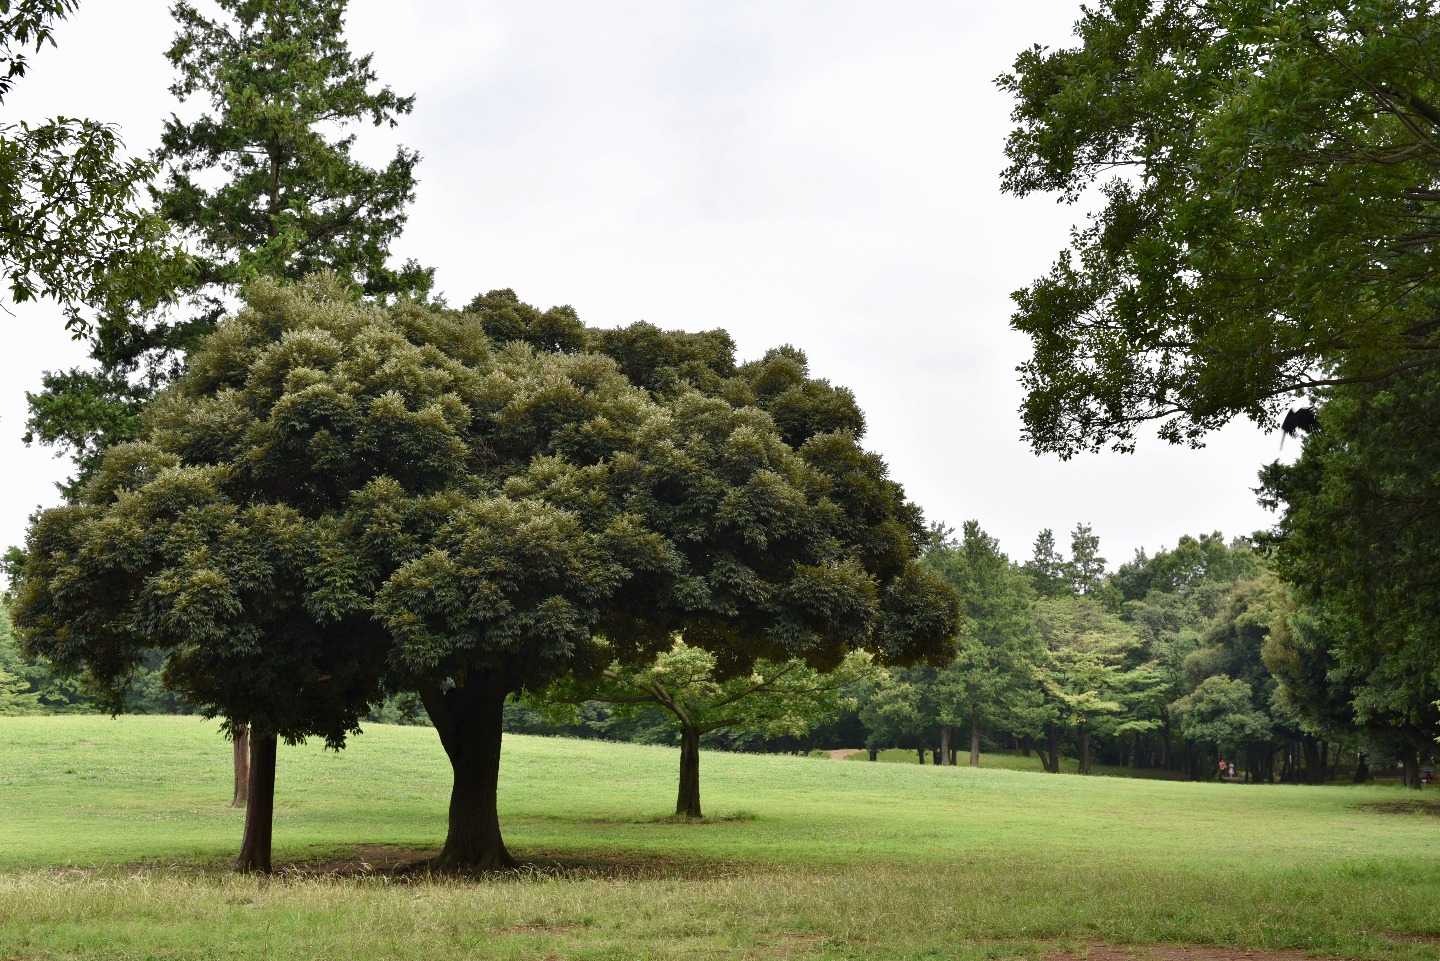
[
  {"x": 241, "y": 747},
  {"x": 974, "y": 738},
  {"x": 687, "y": 803},
  {"x": 469, "y": 719},
  {"x": 1410, "y": 762},
  {"x": 260, "y": 811},
  {"x": 1314, "y": 766},
  {"x": 947, "y": 757},
  {"x": 1052, "y": 730}
]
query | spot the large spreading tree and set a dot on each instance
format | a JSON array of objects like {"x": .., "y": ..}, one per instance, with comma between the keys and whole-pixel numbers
[
  {"x": 338, "y": 498},
  {"x": 728, "y": 503},
  {"x": 1267, "y": 177}
]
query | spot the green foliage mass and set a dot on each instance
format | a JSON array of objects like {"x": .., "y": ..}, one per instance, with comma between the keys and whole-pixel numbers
[
  {"x": 71, "y": 226},
  {"x": 1357, "y": 542},
  {"x": 1268, "y": 176}
]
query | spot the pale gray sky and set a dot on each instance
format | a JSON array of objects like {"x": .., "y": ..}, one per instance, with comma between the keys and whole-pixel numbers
[{"x": 820, "y": 174}]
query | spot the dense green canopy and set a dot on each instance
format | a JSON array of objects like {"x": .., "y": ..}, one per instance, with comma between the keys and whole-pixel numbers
[
  {"x": 1269, "y": 184},
  {"x": 1359, "y": 543},
  {"x": 338, "y": 497}
]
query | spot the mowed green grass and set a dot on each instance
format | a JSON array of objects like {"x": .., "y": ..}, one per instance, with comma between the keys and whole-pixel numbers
[{"x": 114, "y": 835}]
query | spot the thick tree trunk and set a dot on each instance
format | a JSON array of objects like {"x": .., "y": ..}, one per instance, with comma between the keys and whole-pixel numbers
[
  {"x": 1025, "y": 746},
  {"x": 1084, "y": 749},
  {"x": 1410, "y": 761},
  {"x": 1052, "y": 730},
  {"x": 974, "y": 738},
  {"x": 1417, "y": 743},
  {"x": 1314, "y": 766},
  {"x": 241, "y": 748},
  {"x": 947, "y": 757},
  {"x": 469, "y": 720},
  {"x": 260, "y": 811},
  {"x": 874, "y": 753},
  {"x": 687, "y": 804},
  {"x": 921, "y": 752},
  {"x": 1362, "y": 769}
]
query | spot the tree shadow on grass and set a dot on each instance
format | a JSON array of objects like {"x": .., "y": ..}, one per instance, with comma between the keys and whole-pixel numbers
[{"x": 404, "y": 864}]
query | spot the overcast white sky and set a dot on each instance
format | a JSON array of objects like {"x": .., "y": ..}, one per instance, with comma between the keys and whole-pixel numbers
[{"x": 824, "y": 174}]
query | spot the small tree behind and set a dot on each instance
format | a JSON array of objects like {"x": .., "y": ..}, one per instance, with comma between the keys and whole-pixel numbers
[{"x": 777, "y": 699}]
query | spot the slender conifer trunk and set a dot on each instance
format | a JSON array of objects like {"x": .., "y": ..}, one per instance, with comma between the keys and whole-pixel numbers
[
  {"x": 1053, "y": 731},
  {"x": 260, "y": 811},
  {"x": 974, "y": 738},
  {"x": 687, "y": 803},
  {"x": 469, "y": 719},
  {"x": 241, "y": 748},
  {"x": 1084, "y": 749}
]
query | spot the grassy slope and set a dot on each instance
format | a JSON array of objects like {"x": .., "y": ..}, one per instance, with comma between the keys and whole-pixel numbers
[{"x": 826, "y": 860}]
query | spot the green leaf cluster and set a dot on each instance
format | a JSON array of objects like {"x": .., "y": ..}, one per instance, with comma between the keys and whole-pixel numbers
[{"x": 1268, "y": 185}]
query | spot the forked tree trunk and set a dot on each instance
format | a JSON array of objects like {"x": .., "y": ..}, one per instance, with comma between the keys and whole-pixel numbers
[
  {"x": 974, "y": 738},
  {"x": 687, "y": 803},
  {"x": 947, "y": 757},
  {"x": 260, "y": 812},
  {"x": 469, "y": 720},
  {"x": 241, "y": 747}
]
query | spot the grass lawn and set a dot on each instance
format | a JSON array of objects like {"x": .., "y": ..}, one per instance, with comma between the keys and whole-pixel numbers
[{"x": 114, "y": 835}]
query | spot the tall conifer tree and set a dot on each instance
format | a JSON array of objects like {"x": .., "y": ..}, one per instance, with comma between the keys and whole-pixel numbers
[{"x": 262, "y": 183}]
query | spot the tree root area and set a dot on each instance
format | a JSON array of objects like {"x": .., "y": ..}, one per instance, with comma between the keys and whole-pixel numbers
[{"x": 406, "y": 864}]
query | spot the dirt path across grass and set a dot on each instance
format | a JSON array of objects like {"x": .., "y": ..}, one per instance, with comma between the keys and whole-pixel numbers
[
  {"x": 1171, "y": 952},
  {"x": 843, "y": 753}
]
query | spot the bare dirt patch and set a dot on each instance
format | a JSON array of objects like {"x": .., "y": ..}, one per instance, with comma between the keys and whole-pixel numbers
[
  {"x": 361, "y": 860},
  {"x": 787, "y": 943},
  {"x": 843, "y": 753},
  {"x": 1404, "y": 807},
  {"x": 534, "y": 929},
  {"x": 1172, "y": 952}
]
